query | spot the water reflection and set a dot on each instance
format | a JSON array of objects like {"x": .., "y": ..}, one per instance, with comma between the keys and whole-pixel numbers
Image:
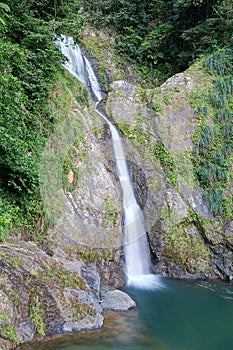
[{"x": 182, "y": 316}]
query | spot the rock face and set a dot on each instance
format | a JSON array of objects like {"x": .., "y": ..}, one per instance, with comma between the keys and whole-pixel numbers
[
  {"x": 186, "y": 240},
  {"x": 41, "y": 296},
  {"x": 89, "y": 212}
]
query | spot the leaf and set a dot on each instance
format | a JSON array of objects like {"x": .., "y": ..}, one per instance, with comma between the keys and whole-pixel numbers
[{"x": 5, "y": 7}]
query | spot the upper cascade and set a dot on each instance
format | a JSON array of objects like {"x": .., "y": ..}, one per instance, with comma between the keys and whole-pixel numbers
[{"x": 79, "y": 66}]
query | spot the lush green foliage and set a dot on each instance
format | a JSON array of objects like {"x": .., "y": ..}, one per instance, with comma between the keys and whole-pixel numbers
[
  {"x": 214, "y": 144},
  {"x": 29, "y": 64},
  {"x": 163, "y": 37}
]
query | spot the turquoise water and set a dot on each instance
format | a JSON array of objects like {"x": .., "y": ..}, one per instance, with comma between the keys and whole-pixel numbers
[{"x": 180, "y": 316}]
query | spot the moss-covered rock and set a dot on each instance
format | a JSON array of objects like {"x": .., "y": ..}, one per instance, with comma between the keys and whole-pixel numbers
[
  {"x": 41, "y": 296},
  {"x": 158, "y": 128}
]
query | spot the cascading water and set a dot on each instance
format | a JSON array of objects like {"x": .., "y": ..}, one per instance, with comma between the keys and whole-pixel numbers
[
  {"x": 79, "y": 66},
  {"x": 136, "y": 246}
]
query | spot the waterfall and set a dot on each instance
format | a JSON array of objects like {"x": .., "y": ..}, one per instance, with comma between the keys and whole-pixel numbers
[
  {"x": 136, "y": 247},
  {"x": 79, "y": 66}
]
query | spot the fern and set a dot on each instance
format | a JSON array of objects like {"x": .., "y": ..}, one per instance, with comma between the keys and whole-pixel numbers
[
  {"x": 217, "y": 100},
  {"x": 224, "y": 115},
  {"x": 215, "y": 201},
  {"x": 202, "y": 110},
  {"x": 227, "y": 131},
  {"x": 228, "y": 149},
  {"x": 220, "y": 62},
  {"x": 219, "y": 158}
]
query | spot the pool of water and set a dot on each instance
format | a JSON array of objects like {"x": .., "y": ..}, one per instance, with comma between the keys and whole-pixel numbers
[{"x": 180, "y": 315}]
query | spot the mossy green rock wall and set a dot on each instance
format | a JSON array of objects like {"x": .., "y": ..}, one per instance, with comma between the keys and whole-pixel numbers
[{"x": 158, "y": 126}]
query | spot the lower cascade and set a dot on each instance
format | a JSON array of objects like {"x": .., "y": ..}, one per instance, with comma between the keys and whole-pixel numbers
[{"x": 136, "y": 246}]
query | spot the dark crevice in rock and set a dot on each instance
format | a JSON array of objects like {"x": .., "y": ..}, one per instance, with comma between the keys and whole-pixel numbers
[
  {"x": 101, "y": 73},
  {"x": 139, "y": 183}
]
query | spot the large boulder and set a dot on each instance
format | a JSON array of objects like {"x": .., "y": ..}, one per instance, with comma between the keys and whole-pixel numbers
[{"x": 117, "y": 300}]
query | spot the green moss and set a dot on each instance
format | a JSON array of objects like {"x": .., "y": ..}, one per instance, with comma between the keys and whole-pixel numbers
[
  {"x": 98, "y": 132},
  {"x": 33, "y": 273},
  {"x": 63, "y": 278},
  {"x": 184, "y": 241},
  {"x": 190, "y": 251},
  {"x": 9, "y": 332},
  {"x": 133, "y": 132},
  {"x": 81, "y": 310},
  {"x": 14, "y": 296},
  {"x": 4, "y": 317},
  {"x": 16, "y": 260},
  {"x": 140, "y": 135},
  {"x": 95, "y": 46},
  {"x": 36, "y": 316},
  {"x": 66, "y": 90},
  {"x": 69, "y": 165},
  {"x": 157, "y": 107},
  {"x": 215, "y": 226},
  {"x": 103, "y": 78},
  {"x": 111, "y": 212},
  {"x": 167, "y": 99},
  {"x": 88, "y": 255},
  {"x": 101, "y": 47},
  {"x": 176, "y": 89},
  {"x": 166, "y": 161}
]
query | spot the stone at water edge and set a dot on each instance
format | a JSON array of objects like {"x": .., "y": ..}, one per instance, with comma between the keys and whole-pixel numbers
[{"x": 117, "y": 300}]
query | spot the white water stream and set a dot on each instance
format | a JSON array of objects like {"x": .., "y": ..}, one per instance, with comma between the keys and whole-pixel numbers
[{"x": 136, "y": 247}]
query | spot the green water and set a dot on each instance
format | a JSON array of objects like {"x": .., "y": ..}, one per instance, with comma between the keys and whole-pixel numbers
[{"x": 180, "y": 316}]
